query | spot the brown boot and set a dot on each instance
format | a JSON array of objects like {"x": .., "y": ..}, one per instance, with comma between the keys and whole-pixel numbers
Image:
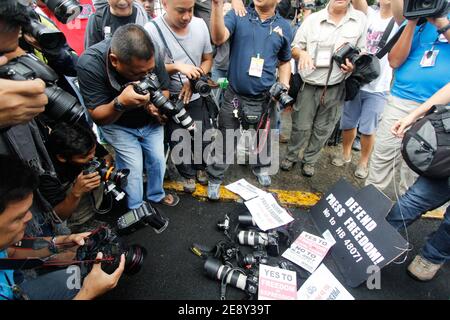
[{"x": 423, "y": 269}]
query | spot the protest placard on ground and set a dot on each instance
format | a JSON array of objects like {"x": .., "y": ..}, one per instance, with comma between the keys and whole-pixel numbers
[
  {"x": 267, "y": 213},
  {"x": 244, "y": 189},
  {"x": 276, "y": 284}
]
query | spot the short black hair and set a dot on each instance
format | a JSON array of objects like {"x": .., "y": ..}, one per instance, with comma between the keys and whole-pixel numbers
[
  {"x": 17, "y": 181},
  {"x": 70, "y": 140},
  {"x": 132, "y": 41},
  {"x": 13, "y": 15}
]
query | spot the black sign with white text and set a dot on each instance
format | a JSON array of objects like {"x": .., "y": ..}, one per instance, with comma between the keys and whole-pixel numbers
[{"x": 357, "y": 222}]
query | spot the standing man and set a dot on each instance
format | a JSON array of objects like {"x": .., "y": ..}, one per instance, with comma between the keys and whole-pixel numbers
[
  {"x": 364, "y": 111},
  {"x": 260, "y": 44},
  {"x": 317, "y": 110},
  {"x": 129, "y": 121},
  {"x": 187, "y": 51},
  {"x": 421, "y": 60}
]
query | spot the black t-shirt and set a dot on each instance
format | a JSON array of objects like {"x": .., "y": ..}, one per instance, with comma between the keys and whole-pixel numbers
[
  {"x": 101, "y": 19},
  {"x": 100, "y": 83}
]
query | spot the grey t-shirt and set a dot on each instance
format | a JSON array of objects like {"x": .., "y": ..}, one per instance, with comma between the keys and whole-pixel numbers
[{"x": 196, "y": 43}]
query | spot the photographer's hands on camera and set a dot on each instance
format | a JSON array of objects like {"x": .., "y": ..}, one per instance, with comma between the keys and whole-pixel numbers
[
  {"x": 21, "y": 100},
  {"x": 192, "y": 73},
  {"x": 86, "y": 183},
  {"x": 307, "y": 63}
]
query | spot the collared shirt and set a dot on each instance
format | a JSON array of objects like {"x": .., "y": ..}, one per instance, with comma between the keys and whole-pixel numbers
[
  {"x": 100, "y": 83},
  {"x": 249, "y": 36},
  {"x": 318, "y": 30}
]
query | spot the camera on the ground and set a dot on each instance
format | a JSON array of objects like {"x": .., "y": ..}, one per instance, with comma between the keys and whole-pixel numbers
[
  {"x": 232, "y": 276},
  {"x": 114, "y": 179},
  {"x": 415, "y": 9},
  {"x": 270, "y": 240},
  {"x": 279, "y": 92},
  {"x": 142, "y": 216},
  {"x": 61, "y": 106},
  {"x": 106, "y": 241},
  {"x": 150, "y": 84}
]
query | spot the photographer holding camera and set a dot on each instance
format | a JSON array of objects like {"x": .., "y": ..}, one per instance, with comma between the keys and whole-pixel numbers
[
  {"x": 129, "y": 121},
  {"x": 187, "y": 50},
  {"x": 17, "y": 185},
  {"x": 260, "y": 44},
  {"x": 74, "y": 194},
  {"x": 420, "y": 60},
  {"x": 321, "y": 97}
]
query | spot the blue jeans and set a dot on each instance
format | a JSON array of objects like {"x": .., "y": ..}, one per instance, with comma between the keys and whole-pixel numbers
[
  {"x": 136, "y": 148},
  {"x": 424, "y": 195}
]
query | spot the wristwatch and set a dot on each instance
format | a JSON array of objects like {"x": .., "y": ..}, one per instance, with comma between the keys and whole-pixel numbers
[
  {"x": 52, "y": 246},
  {"x": 444, "y": 29},
  {"x": 118, "y": 106}
]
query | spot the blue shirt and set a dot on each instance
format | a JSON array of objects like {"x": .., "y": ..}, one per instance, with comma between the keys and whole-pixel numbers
[
  {"x": 5, "y": 288},
  {"x": 411, "y": 81},
  {"x": 250, "y": 37}
]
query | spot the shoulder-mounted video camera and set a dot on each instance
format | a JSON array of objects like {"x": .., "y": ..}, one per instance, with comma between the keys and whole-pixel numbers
[
  {"x": 414, "y": 9},
  {"x": 309, "y": 5}
]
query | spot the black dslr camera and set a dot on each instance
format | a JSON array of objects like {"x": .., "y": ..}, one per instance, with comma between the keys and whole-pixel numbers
[
  {"x": 61, "y": 106},
  {"x": 203, "y": 85},
  {"x": 414, "y": 9},
  {"x": 270, "y": 240},
  {"x": 280, "y": 93},
  {"x": 106, "y": 241},
  {"x": 150, "y": 84},
  {"x": 64, "y": 10},
  {"x": 367, "y": 67},
  {"x": 113, "y": 178}
]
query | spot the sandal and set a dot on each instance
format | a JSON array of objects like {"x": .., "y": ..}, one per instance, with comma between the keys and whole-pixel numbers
[{"x": 170, "y": 200}]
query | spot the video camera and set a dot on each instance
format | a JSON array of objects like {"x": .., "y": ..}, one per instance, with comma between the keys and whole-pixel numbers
[
  {"x": 61, "y": 106},
  {"x": 64, "y": 10},
  {"x": 150, "y": 84},
  {"x": 414, "y": 9},
  {"x": 233, "y": 276},
  {"x": 367, "y": 67},
  {"x": 144, "y": 215},
  {"x": 106, "y": 241},
  {"x": 114, "y": 179},
  {"x": 279, "y": 92},
  {"x": 309, "y": 5}
]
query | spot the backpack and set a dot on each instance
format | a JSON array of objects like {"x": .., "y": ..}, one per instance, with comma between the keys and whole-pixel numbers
[{"x": 426, "y": 145}]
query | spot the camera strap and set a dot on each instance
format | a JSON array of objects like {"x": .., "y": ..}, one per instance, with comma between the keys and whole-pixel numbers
[
  {"x": 386, "y": 35},
  {"x": 390, "y": 44}
]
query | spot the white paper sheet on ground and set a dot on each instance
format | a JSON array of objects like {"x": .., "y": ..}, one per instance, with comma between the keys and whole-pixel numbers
[
  {"x": 308, "y": 251},
  {"x": 267, "y": 213},
  {"x": 244, "y": 189},
  {"x": 276, "y": 284},
  {"x": 323, "y": 285}
]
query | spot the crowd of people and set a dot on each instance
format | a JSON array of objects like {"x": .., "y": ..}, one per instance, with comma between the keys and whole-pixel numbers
[{"x": 146, "y": 84}]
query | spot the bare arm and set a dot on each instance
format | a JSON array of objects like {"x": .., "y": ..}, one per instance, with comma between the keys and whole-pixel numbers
[
  {"x": 401, "y": 49},
  {"x": 360, "y": 5},
  {"x": 295, "y": 53},
  {"x": 397, "y": 11},
  {"x": 207, "y": 62},
  {"x": 219, "y": 33},
  {"x": 284, "y": 72}
]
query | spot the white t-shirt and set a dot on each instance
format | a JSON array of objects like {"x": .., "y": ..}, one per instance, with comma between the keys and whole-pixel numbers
[{"x": 375, "y": 31}]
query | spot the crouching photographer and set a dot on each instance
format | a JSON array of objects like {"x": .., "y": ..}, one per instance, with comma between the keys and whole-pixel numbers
[
  {"x": 77, "y": 192},
  {"x": 18, "y": 184},
  {"x": 431, "y": 161}
]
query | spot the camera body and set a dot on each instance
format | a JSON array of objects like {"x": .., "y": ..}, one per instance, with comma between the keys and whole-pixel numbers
[
  {"x": 254, "y": 238},
  {"x": 106, "y": 241},
  {"x": 279, "y": 92},
  {"x": 201, "y": 86},
  {"x": 150, "y": 84},
  {"x": 64, "y": 10},
  {"x": 414, "y": 9},
  {"x": 300, "y": 4},
  {"x": 346, "y": 51},
  {"x": 61, "y": 106},
  {"x": 255, "y": 258},
  {"x": 144, "y": 215}
]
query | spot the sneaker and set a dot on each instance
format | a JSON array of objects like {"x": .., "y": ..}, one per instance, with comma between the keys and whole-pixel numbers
[
  {"x": 339, "y": 161},
  {"x": 308, "y": 170},
  {"x": 361, "y": 172},
  {"x": 423, "y": 270},
  {"x": 287, "y": 165},
  {"x": 263, "y": 179},
  {"x": 189, "y": 185},
  {"x": 170, "y": 200},
  {"x": 202, "y": 177},
  {"x": 213, "y": 191}
]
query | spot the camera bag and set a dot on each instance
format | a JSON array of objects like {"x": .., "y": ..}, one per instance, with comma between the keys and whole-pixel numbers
[{"x": 426, "y": 145}]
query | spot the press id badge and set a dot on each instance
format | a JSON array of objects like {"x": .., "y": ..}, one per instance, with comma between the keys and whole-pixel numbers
[
  {"x": 323, "y": 56},
  {"x": 429, "y": 58},
  {"x": 256, "y": 67}
]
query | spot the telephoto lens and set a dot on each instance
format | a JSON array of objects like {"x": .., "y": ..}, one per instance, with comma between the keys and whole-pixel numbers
[
  {"x": 252, "y": 238},
  {"x": 217, "y": 271},
  {"x": 247, "y": 220},
  {"x": 64, "y": 10}
]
